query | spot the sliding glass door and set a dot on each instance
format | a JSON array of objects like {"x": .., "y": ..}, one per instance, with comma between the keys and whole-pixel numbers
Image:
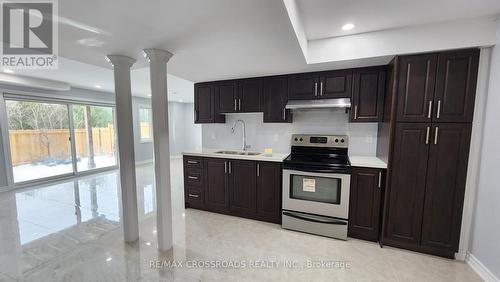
[
  {"x": 49, "y": 139},
  {"x": 39, "y": 140}
]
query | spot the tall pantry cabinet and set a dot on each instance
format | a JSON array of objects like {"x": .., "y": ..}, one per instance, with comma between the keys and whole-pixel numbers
[{"x": 432, "y": 105}]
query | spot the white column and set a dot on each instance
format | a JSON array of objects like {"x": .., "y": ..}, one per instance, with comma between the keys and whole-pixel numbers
[
  {"x": 121, "y": 65},
  {"x": 158, "y": 72}
]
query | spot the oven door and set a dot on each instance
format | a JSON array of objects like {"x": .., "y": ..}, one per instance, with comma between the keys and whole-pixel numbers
[{"x": 316, "y": 193}]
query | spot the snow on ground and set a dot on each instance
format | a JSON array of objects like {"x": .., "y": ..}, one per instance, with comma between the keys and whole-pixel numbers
[{"x": 27, "y": 172}]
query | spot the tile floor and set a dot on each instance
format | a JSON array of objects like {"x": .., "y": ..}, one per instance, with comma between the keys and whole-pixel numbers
[{"x": 70, "y": 231}]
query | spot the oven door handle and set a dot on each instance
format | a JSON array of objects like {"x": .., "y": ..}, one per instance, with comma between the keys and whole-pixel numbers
[
  {"x": 338, "y": 171},
  {"x": 307, "y": 218}
]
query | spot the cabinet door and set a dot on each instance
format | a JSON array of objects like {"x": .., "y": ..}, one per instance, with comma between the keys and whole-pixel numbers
[
  {"x": 303, "y": 86},
  {"x": 226, "y": 96},
  {"x": 444, "y": 194},
  {"x": 416, "y": 88},
  {"x": 368, "y": 94},
  {"x": 407, "y": 185},
  {"x": 217, "y": 197},
  {"x": 203, "y": 103},
  {"x": 456, "y": 86},
  {"x": 335, "y": 84},
  {"x": 249, "y": 95},
  {"x": 275, "y": 98},
  {"x": 243, "y": 182},
  {"x": 364, "y": 203},
  {"x": 269, "y": 191}
]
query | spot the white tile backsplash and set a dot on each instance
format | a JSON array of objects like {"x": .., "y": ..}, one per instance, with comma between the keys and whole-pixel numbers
[{"x": 362, "y": 136}]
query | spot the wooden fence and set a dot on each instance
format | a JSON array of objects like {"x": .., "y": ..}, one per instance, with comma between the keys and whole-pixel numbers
[{"x": 30, "y": 146}]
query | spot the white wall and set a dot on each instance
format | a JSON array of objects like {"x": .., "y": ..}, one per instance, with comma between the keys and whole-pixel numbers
[
  {"x": 486, "y": 228},
  {"x": 362, "y": 136}
]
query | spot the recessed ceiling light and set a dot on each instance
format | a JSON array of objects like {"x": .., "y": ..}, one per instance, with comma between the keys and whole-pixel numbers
[
  {"x": 8, "y": 71},
  {"x": 97, "y": 86},
  {"x": 348, "y": 26}
]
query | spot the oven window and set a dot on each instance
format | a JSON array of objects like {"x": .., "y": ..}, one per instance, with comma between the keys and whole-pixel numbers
[{"x": 316, "y": 189}]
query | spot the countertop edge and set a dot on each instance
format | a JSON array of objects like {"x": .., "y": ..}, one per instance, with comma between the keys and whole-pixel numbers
[{"x": 277, "y": 159}]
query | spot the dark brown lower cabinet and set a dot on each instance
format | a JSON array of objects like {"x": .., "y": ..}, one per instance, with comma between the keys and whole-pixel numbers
[
  {"x": 426, "y": 193},
  {"x": 364, "y": 203},
  {"x": 242, "y": 188}
]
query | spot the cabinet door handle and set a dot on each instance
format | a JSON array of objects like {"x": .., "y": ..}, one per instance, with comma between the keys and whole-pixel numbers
[
  {"x": 321, "y": 88},
  {"x": 193, "y": 177},
  {"x": 355, "y": 111},
  {"x": 430, "y": 110},
  {"x": 229, "y": 167},
  {"x": 439, "y": 109},
  {"x": 284, "y": 114},
  {"x": 316, "y": 89},
  {"x": 258, "y": 170},
  {"x": 380, "y": 179},
  {"x": 235, "y": 105},
  {"x": 239, "y": 104},
  {"x": 192, "y": 162},
  {"x": 427, "y": 135},
  {"x": 225, "y": 167},
  {"x": 193, "y": 196},
  {"x": 436, "y": 136}
]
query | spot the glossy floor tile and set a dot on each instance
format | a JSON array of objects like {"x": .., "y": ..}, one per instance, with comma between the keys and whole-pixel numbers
[{"x": 71, "y": 231}]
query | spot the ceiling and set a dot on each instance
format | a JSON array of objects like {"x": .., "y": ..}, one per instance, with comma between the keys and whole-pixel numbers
[{"x": 325, "y": 18}]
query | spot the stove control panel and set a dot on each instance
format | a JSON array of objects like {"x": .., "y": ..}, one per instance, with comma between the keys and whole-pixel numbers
[{"x": 339, "y": 141}]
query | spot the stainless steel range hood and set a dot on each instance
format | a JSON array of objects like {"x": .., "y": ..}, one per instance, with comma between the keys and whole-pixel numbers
[{"x": 318, "y": 104}]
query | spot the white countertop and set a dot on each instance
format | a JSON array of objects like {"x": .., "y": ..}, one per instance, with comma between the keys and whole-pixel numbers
[
  {"x": 367, "y": 161},
  {"x": 211, "y": 153}
]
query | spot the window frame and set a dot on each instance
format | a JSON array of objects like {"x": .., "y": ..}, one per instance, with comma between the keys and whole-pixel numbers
[{"x": 150, "y": 121}]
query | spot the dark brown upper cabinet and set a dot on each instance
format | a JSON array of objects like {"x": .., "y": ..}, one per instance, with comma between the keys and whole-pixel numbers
[
  {"x": 364, "y": 203},
  {"x": 322, "y": 85},
  {"x": 417, "y": 75},
  {"x": 249, "y": 95},
  {"x": 205, "y": 110},
  {"x": 368, "y": 94},
  {"x": 335, "y": 84},
  {"x": 456, "y": 81},
  {"x": 275, "y": 99},
  {"x": 444, "y": 194},
  {"x": 226, "y": 96}
]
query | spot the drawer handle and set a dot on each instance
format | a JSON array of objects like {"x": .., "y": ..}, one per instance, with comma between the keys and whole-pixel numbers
[
  {"x": 193, "y": 162},
  {"x": 193, "y": 177},
  {"x": 193, "y": 196}
]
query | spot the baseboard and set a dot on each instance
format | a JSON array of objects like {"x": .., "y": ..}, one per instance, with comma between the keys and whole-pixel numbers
[{"x": 480, "y": 269}]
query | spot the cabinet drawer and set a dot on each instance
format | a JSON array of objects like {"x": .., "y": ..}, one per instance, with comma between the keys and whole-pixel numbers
[
  {"x": 193, "y": 162},
  {"x": 194, "y": 197},
  {"x": 194, "y": 176}
]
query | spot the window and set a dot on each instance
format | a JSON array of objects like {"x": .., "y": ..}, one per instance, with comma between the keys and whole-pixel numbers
[{"x": 146, "y": 124}]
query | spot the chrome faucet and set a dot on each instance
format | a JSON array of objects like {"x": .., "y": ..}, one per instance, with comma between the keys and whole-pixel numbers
[{"x": 244, "y": 146}]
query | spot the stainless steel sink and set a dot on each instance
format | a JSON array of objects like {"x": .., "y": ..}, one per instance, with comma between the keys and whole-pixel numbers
[{"x": 238, "y": 153}]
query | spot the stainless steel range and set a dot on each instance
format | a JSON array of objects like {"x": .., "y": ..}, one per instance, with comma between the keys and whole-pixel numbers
[{"x": 316, "y": 181}]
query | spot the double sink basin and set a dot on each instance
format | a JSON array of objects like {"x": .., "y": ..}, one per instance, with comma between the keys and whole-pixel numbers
[{"x": 240, "y": 153}]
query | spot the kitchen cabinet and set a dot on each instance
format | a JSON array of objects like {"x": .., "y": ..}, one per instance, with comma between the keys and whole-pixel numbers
[
  {"x": 335, "y": 84},
  {"x": 365, "y": 203},
  {"x": 427, "y": 187},
  {"x": 226, "y": 94},
  {"x": 269, "y": 191},
  {"x": 456, "y": 80},
  {"x": 438, "y": 87},
  {"x": 244, "y": 188},
  {"x": 250, "y": 95},
  {"x": 417, "y": 77},
  {"x": 217, "y": 188},
  {"x": 368, "y": 94},
  {"x": 323, "y": 85},
  {"x": 275, "y": 99},
  {"x": 444, "y": 195},
  {"x": 205, "y": 110}
]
